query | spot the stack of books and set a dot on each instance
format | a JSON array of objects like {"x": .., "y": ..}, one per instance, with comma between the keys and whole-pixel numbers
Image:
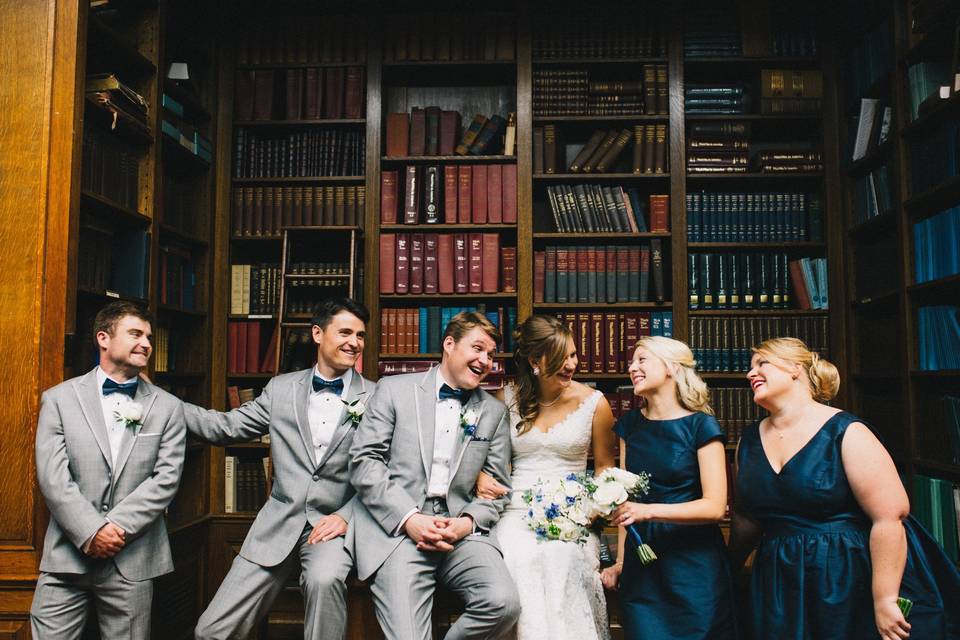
[
  {"x": 729, "y": 98},
  {"x": 718, "y": 147}
]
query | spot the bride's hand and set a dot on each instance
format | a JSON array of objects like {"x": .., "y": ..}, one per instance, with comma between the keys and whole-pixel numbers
[
  {"x": 610, "y": 577},
  {"x": 630, "y": 512},
  {"x": 488, "y": 488}
]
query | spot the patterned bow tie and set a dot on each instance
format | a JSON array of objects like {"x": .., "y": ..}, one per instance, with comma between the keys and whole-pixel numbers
[
  {"x": 127, "y": 388},
  {"x": 446, "y": 391},
  {"x": 319, "y": 384}
]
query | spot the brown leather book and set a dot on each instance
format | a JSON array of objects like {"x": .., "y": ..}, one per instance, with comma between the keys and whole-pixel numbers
[
  {"x": 339, "y": 205},
  {"x": 450, "y": 188},
  {"x": 638, "y": 135},
  {"x": 361, "y": 205},
  {"x": 489, "y": 254},
  {"x": 333, "y": 92},
  {"x": 495, "y": 194},
  {"x": 587, "y": 150},
  {"x": 350, "y": 210},
  {"x": 479, "y": 194},
  {"x": 663, "y": 102},
  {"x": 650, "y": 89},
  {"x": 297, "y": 198},
  {"x": 430, "y": 256},
  {"x": 461, "y": 265},
  {"x": 508, "y": 269},
  {"x": 445, "y": 262},
  {"x": 388, "y": 197},
  {"x": 276, "y": 211},
  {"x": 464, "y": 194},
  {"x": 388, "y": 266},
  {"x": 597, "y": 345},
  {"x": 659, "y": 213},
  {"x": 649, "y": 148},
  {"x": 237, "y": 228},
  {"x": 432, "y": 117},
  {"x": 310, "y": 210},
  {"x": 403, "y": 263},
  {"x": 592, "y": 161},
  {"x": 550, "y": 146},
  {"x": 253, "y": 347},
  {"x": 449, "y": 132},
  {"x": 539, "y": 275},
  {"x": 263, "y": 94},
  {"x": 416, "y": 263},
  {"x": 609, "y": 159},
  {"x": 611, "y": 341},
  {"x": 241, "y": 353},
  {"x": 353, "y": 93},
  {"x": 418, "y": 132},
  {"x": 411, "y": 195},
  {"x": 266, "y": 204},
  {"x": 538, "y": 150},
  {"x": 509, "y": 193},
  {"x": 660, "y": 149},
  {"x": 244, "y": 95},
  {"x": 470, "y": 135},
  {"x": 385, "y": 330},
  {"x": 398, "y": 135},
  {"x": 401, "y": 329},
  {"x": 312, "y": 93},
  {"x": 656, "y": 260},
  {"x": 329, "y": 205},
  {"x": 294, "y": 78}
]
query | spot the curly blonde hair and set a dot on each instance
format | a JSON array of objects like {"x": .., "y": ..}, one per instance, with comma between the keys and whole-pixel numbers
[
  {"x": 692, "y": 392},
  {"x": 822, "y": 376}
]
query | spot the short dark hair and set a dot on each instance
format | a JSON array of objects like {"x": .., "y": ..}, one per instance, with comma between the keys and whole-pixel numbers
[
  {"x": 107, "y": 318},
  {"x": 462, "y": 323},
  {"x": 330, "y": 307}
]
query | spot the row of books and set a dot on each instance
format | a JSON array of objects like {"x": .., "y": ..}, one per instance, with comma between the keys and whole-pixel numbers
[
  {"x": 712, "y": 98},
  {"x": 595, "y": 36},
  {"x": 429, "y": 36},
  {"x": 723, "y": 344},
  {"x": 936, "y": 242},
  {"x": 116, "y": 261},
  {"x": 936, "y": 504},
  {"x": 266, "y": 211},
  {"x": 790, "y": 160},
  {"x": 451, "y": 194},
  {"x": 929, "y": 82},
  {"x": 112, "y": 95},
  {"x": 872, "y": 195},
  {"x": 870, "y": 59},
  {"x": 754, "y": 217},
  {"x": 279, "y": 38},
  {"x": 184, "y": 132},
  {"x": 718, "y": 147},
  {"x": 299, "y": 350},
  {"x": 178, "y": 203},
  {"x": 251, "y": 346},
  {"x": 178, "y": 278},
  {"x": 872, "y": 127},
  {"x": 571, "y": 92},
  {"x": 735, "y": 409},
  {"x": 756, "y": 281},
  {"x": 414, "y": 330},
  {"x": 319, "y": 151},
  {"x": 939, "y": 336},
  {"x": 606, "y": 340},
  {"x": 245, "y": 483},
  {"x": 446, "y": 263},
  {"x": 300, "y": 93},
  {"x": 109, "y": 168},
  {"x": 603, "y": 274},
  {"x": 712, "y": 31},
  {"x": 237, "y": 396},
  {"x": 934, "y": 155},
  {"x": 776, "y": 161},
  {"x": 791, "y": 91},
  {"x": 165, "y": 352},
  {"x": 602, "y": 152},
  {"x": 622, "y": 401},
  {"x": 496, "y": 379},
  {"x": 578, "y": 208},
  {"x": 254, "y": 288},
  {"x": 434, "y": 131}
]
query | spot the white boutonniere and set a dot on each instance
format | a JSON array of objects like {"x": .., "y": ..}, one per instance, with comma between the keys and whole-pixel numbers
[
  {"x": 130, "y": 413},
  {"x": 468, "y": 422},
  {"x": 354, "y": 410}
]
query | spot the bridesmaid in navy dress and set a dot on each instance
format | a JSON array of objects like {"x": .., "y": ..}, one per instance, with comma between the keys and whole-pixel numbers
[
  {"x": 687, "y": 592},
  {"x": 822, "y": 496}
]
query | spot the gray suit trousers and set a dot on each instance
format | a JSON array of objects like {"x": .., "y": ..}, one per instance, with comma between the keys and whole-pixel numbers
[
  {"x": 61, "y": 603},
  {"x": 249, "y": 589}
]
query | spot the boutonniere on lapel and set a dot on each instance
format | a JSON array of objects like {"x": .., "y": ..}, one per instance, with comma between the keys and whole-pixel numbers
[
  {"x": 468, "y": 422},
  {"x": 354, "y": 410},
  {"x": 130, "y": 413}
]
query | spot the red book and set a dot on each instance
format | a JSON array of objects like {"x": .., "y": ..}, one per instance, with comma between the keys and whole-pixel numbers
[
  {"x": 244, "y": 96},
  {"x": 263, "y": 94},
  {"x": 403, "y": 262},
  {"x": 450, "y": 194},
  {"x": 294, "y": 93},
  {"x": 659, "y": 213},
  {"x": 388, "y": 263},
  {"x": 611, "y": 361},
  {"x": 416, "y": 263},
  {"x": 539, "y": 274},
  {"x": 582, "y": 338},
  {"x": 353, "y": 93},
  {"x": 495, "y": 194},
  {"x": 631, "y": 333},
  {"x": 385, "y": 330},
  {"x": 253, "y": 347},
  {"x": 233, "y": 396},
  {"x": 388, "y": 197},
  {"x": 312, "y": 97},
  {"x": 445, "y": 263},
  {"x": 430, "y": 280},
  {"x": 391, "y": 331},
  {"x": 411, "y": 195},
  {"x": 479, "y": 203},
  {"x": 597, "y": 346},
  {"x": 645, "y": 292},
  {"x": 643, "y": 324},
  {"x": 401, "y": 328},
  {"x": 490, "y": 270},
  {"x": 800, "y": 293},
  {"x": 449, "y": 132},
  {"x": 333, "y": 93},
  {"x": 464, "y": 193},
  {"x": 233, "y": 334},
  {"x": 508, "y": 265},
  {"x": 475, "y": 262},
  {"x": 242, "y": 347},
  {"x": 509, "y": 194},
  {"x": 418, "y": 132},
  {"x": 398, "y": 135},
  {"x": 461, "y": 267}
]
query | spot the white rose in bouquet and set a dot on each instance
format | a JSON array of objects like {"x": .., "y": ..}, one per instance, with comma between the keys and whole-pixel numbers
[{"x": 610, "y": 494}]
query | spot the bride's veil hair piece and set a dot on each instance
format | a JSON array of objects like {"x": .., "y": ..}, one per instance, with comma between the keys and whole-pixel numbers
[{"x": 538, "y": 338}]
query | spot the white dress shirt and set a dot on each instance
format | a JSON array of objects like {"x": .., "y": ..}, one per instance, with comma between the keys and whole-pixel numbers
[
  {"x": 115, "y": 426},
  {"x": 446, "y": 436},
  {"x": 324, "y": 412}
]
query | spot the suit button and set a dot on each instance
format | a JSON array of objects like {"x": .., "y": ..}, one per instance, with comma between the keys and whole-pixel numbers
[
  {"x": 316, "y": 477},
  {"x": 104, "y": 508}
]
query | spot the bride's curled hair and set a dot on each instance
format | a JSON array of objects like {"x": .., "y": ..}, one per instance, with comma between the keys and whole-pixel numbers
[
  {"x": 692, "y": 391},
  {"x": 538, "y": 337}
]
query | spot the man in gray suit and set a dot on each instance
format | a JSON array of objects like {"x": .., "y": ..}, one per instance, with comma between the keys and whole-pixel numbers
[
  {"x": 109, "y": 454},
  {"x": 311, "y": 416},
  {"x": 423, "y": 440}
]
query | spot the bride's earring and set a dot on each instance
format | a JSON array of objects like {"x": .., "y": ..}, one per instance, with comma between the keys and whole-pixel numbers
[{"x": 536, "y": 371}]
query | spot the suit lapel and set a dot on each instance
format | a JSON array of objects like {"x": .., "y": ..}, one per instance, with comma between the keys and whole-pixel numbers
[
  {"x": 145, "y": 397},
  {"x": 476, "y": 406},
  {"x": 88, "y": 395},
  {"x": 425, "y": 399},
  {"x": 300, "y": 405},
  {"x": 344, "y": 424}
]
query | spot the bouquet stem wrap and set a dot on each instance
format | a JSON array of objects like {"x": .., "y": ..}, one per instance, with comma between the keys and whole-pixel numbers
[{"x": 643, "y": 550}]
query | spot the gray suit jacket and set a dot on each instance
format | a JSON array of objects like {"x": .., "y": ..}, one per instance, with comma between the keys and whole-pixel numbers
[
  {"x": 83, "y": 490},
  {"x": 303, "y": 491},
  {"x": 393, "y": 454}
]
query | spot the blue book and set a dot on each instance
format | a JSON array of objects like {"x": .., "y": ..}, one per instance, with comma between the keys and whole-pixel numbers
[
  {"x": 424, "y": 346},
  {"x": 667, "y": 323}
]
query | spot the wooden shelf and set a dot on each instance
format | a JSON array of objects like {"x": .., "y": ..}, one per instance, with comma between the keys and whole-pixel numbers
[
  {"x": 194, "y": 111},
  {"x": 945, "y": 110},
  {"x": 176, "y": 153},
  {"x": 250, "y": 376},
  {"x": 870, "y": 302},
  {"x": 938, "y": 374},
  {"x": 448, "y": 159},
  {"x": 299, "y": 180},
  {"x": 300, "y": 123},
  {"x": 108, "y": 295},
  {"x": 794, "y": 244},
  {"x": 252, "y": 316},
  {"x": 776, "y": 117},
  {"x": 758, "y": 312},
  {"x": 170, "y": 231},
  {"x": 934, "y": 200},
  {"x": 872, "y": 160},
  {"x": 723, "y": 375},
  {"x": 755, "y": 176},
  {"x": 619, "y": 117},
  {"x": 625, "y": 377},
  {"x": 316, "y": 276},
  {"x": 426, "y": 228},
  {"x": 457, "y": 297},
  {"x": 125, "y": 127},
  {"x": 256, "y": 238},
  {"x": 97, "y": 203},
  {"x": 179, "y": 375},
  {"x": 939, "y": 290},
  {"x": 587, "y": 177},
  {"x": 418, "y": 64},
  {"x": 597, "y": 235},
  {"x": 107, "y": 45},
  {"x": 876, "y": 226},
  {"x": 653, "y": 306},
  {"x": 431, "y": 356},
  {"x": 329, "y": 227},
  {"x": 949, "y": 468},
  {"x": 761, "y": 61},
  {"x": 191, "y": 313},
  {"x": 607, "y": 61},
  {"x": 877, "y": 376},
  {"x": 248, "y": 445}
]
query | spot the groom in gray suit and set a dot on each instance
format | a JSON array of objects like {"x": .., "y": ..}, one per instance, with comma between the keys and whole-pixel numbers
[
  {"x": 416, "y": 456},
  {"x": 311, "y": 416},
  {"x": 109, "y": 454}
]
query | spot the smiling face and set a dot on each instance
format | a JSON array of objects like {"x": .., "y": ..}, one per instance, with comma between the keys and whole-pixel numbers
[
  {"x": 647, "y": 372},
  {"x": 339, "y": 344},
  {"x": 771, "y": 378},
  {"x": 466, "y": 362},
  {"x": 564, "y": 376},
  {"x": 128, "y": 349}
]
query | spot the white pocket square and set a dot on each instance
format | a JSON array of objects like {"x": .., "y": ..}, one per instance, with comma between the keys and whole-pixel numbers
[{"x": 149, "y": 435}]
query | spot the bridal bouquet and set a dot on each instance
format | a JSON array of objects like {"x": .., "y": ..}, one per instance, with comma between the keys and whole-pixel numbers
[{"x": 564, "y": 509}]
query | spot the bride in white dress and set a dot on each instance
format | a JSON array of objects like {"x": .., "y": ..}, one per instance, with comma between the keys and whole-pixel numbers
[{"x": 555, "y": 421}]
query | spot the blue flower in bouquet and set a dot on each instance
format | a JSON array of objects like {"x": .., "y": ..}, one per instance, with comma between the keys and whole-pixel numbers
[
  {"x": 552, "y": 512},
  {"x": 468, "y": 422}
]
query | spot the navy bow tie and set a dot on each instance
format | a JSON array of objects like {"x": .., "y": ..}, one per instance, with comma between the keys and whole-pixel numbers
[
  {"x": 128, "y": 388},
  {"x": 319, "y": 384},
  {"x": 446, "y": 391}
]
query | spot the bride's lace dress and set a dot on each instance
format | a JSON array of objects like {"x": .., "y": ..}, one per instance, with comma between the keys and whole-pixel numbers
[{"x": 561, "y": 595}]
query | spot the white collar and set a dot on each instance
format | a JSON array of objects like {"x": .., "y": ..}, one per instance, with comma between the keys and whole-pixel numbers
[
  {"x": 347, "y": 378},
  {"x": 102, "y": 376}
]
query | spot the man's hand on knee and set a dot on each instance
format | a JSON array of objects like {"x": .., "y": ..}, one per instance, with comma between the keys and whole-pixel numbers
[{"x": 327, "y": 528}]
